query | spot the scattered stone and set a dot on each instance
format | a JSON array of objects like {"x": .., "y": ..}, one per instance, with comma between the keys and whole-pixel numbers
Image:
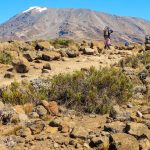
[
  {"x": 79, "y": 132},
  {"x": 145, "y": 109},
  {"x": 10, "y": 69},
  {"x": 51, "y": 55},
  {"x": 101, "y": 142},
  {"x": 144, "y": 144},
  {"x": 56, "y": 123},
  {"x": 47, "y": 66},
  {"x": 115, "y": 127},
  {"x": 33, "y": 115},
  {"x": 9, "y": 75},
  {"x": 56, "y": 145},
  {"x": 89, "y": 51},
  {"x": 72, "y": 53},
  {"x": 45, "y": 71},
  {"x": 123, "y": 141},
  {"x": 36, "y": 126},
  {"x": 139, "y": 114},
  {"x": 44, "y": 45},
  {"x": 23, "y": 132},
  {"x": 53, "y": 108},
  {"x": 21, "y": 66},
  {"x": 117, "y": 113},
  {"x": 136, "y": 129},
  {"x": 147, "y": 116},
  {"x": 41, "y": 111},
  {"x": 129, "y": 105}
]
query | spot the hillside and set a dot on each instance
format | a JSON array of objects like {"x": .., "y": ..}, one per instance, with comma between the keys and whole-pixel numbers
[
  {"x": 48, "y": 23},
  {"x": 68, "y": 95}
]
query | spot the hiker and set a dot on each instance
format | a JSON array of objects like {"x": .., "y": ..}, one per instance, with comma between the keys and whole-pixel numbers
[{"x": 107, "y": 33}]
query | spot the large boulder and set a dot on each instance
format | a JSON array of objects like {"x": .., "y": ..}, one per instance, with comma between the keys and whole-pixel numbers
[
  {"x": 30, "y": 55},
  {"x": 36, "y": 126},
  {"x": 44, "y": 45},
  {"x": 50, "y": 55},
  {"x": 72, "y": 53},
  {"x": 79, "y": 132},
  {"x": 137, "y": 129},
  {"x": 21, "y": 65},
  {"x": 101, "y": 142},
  {"x": 115, "y": 127},
  {"x": 119, "y": 114},
  {"x": 89, "y": 51},
  {"x": 123, "y": 141},
  {"x": 47, "y": 66},
  {"x": 41, "y": 111}
]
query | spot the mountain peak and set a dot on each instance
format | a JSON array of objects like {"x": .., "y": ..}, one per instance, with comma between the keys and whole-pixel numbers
[{"x": 36, "y": 8}]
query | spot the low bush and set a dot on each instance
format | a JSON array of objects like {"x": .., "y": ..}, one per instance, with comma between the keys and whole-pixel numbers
[
  {"x": 86, "y": 91},
  {"x": 22, "y": 93},
  {"x": 132, "y": 61},
  {"x": 62, "y": 42},
  {"x": 91, "y": 91},
  {"x": 5, "y": 58},
  {"x": 145, "y": 58}
]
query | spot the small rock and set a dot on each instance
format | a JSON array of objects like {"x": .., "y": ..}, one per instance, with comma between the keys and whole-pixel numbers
[
  {"x": 144, "y": 144},
  {"x": 23, "y": 132},
  {"x": 139, "y": 114},
  {"x": 129, "y": 105},
  {"x": 9, "y": 75},
  {"x": 89, "y": 51},
  {"x": 41, "y": 111},
  {"x": 136, "y": 129},
  {"x": 45, "y": 71},
  {"x": 56, "y": 145},
  {"x": 36, "y": 126},
  {"x": 115, "y": 127},
  {"x": 123, "y": 141},
  {"x": 47, "y": 66},
  {"x": 33, "y": 115},
  {"x": 117, "y": 113},
  {"x": 53, "y": 108},
  {"x": 79, "y": 132}
]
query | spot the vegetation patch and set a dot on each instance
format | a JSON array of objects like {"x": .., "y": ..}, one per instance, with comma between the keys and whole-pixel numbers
[
  {"x": 86, "y": 91},
  {"x": 5, "y": 58}
]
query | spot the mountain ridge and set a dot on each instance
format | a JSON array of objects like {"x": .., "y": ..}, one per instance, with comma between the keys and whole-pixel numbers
[{"x": 47, "y": 23}]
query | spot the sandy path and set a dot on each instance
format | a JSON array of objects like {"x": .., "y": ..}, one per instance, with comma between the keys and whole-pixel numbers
[{"x": 69, "y": 65}]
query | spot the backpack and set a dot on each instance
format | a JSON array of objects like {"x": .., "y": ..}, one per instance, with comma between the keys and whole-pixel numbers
[{"x": 106, "y": 32}]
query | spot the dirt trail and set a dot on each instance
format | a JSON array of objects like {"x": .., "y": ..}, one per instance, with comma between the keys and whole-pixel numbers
[{"x": 64, "y": 66}]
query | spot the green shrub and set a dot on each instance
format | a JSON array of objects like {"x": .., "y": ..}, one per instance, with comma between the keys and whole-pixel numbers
[
  {"x": 145, "y": 58},
  {"x": 132, "y": 61},
  {"x": 21, "y": 93},
  {"x": 92, "y": 91},
  {"x": 61, "y": 42},
  {"x": 5, "y": 58},
  {"x": 86, "y": 91}
]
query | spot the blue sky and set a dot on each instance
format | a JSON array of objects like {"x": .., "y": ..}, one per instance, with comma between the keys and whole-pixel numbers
[{"x": 136, "y": 8}]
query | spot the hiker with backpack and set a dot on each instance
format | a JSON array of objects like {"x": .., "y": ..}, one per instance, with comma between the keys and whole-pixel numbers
[{"x": 107, "y": 33}]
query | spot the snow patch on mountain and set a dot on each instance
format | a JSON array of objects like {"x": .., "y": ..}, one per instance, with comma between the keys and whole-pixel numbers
[{"x": 39, "y": 9}]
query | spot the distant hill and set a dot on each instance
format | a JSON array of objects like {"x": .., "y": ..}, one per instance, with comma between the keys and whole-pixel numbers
[{"x": 48, "y": 23}]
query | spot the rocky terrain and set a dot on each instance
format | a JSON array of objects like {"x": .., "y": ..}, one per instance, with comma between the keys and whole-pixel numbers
[
  {"x": 48, "y": 124},
  {"x": 46, "y": 23}
]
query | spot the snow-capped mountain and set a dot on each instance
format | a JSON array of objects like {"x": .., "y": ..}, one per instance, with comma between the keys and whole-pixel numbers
[{"x": 47, "y": 23}]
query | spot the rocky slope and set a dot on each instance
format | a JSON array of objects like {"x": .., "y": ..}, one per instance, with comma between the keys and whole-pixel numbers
[
  {"x": 39, "y": 23},
  {"x": 48, "y": 126}
]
